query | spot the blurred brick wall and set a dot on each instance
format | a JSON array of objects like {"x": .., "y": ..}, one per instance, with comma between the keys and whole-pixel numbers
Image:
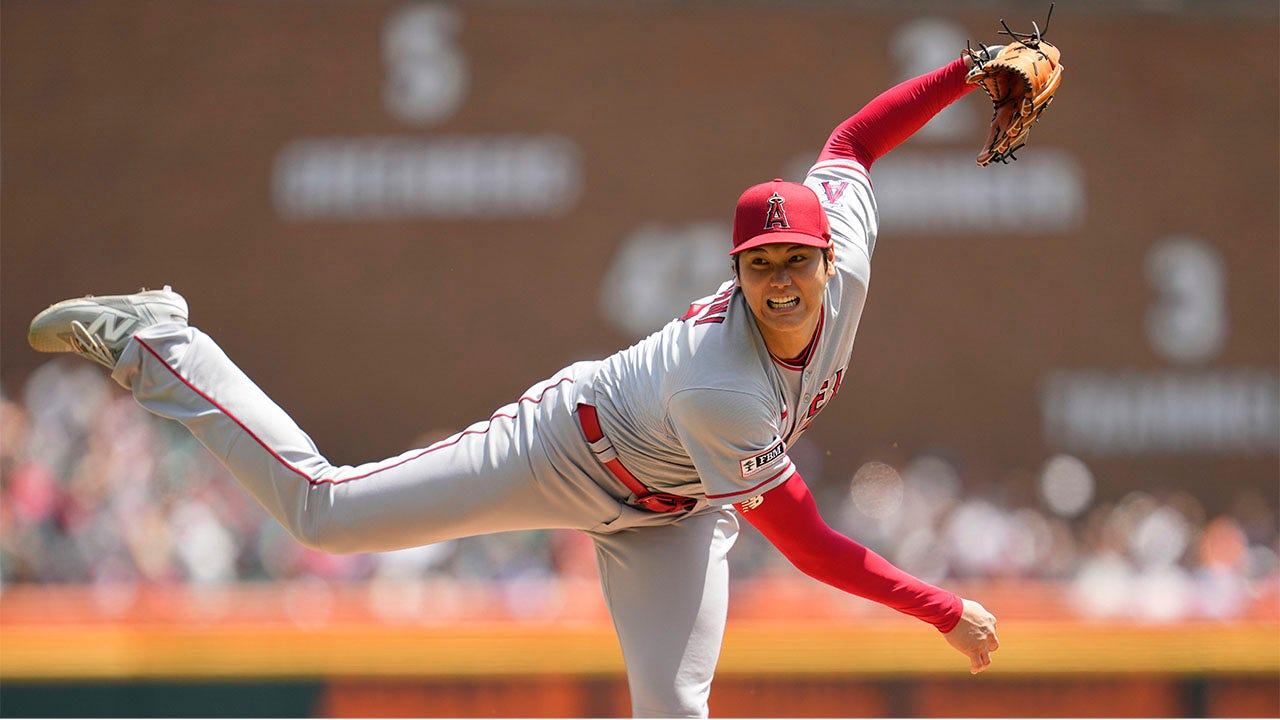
[{"x": 275, "y": 162}]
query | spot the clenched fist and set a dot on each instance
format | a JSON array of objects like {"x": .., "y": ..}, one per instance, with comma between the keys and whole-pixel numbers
[{"x": 975, "y": 636}]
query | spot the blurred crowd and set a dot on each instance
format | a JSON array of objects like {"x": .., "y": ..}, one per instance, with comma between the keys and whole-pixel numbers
[{"x": 94, "y": 490}]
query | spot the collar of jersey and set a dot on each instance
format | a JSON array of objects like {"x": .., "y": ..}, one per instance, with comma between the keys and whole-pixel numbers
[{"x": 801, "y": 361}]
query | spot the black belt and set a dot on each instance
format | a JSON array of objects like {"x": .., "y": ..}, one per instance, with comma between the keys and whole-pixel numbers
[{"x": 646, "y": 498}]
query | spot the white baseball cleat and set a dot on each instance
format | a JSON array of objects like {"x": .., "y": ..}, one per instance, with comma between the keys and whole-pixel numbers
[{"x": 98, "y": 328}]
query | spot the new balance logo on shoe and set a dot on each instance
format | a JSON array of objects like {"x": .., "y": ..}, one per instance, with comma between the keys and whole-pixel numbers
[{"x": 112, "y": 328}]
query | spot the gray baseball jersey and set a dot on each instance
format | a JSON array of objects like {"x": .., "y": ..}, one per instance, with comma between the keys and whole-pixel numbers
[{"x": 702, "y": 408}]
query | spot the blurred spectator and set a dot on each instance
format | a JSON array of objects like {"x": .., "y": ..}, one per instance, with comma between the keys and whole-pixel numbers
[{"x": 94, "y": 490}]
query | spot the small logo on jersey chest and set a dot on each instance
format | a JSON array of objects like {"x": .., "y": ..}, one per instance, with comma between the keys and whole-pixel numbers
[{"x": 754, "y": 464}]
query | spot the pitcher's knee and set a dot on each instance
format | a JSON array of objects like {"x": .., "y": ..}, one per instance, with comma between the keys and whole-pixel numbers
[{"x": 319, "y": 532}]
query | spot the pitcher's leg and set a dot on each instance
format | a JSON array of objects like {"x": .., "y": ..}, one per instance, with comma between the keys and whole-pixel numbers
[
  {"x": 667, "y": 589},
  {"x": 481, "y": 480}
]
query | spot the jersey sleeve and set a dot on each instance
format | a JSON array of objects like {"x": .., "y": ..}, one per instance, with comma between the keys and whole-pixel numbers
[
  {"x": 844, "y": 189},
  {"x": 733, "y": 440}
]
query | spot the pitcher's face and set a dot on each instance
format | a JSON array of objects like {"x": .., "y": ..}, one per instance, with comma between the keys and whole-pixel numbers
[{"x": 784, "y": 286}]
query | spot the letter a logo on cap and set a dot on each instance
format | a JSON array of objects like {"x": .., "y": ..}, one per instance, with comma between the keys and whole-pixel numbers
[{"x": 776, "y": 219}]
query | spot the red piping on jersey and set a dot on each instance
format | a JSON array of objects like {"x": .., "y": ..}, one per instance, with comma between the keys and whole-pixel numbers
[
  {"x": 322, "y": 481},
  {"x": 801, "y": 361}
]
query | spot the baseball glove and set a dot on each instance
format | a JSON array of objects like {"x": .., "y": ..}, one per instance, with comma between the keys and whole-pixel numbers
[{"x": 1021, "y": 79}]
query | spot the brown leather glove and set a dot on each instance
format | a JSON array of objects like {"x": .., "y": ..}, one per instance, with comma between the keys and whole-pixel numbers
[{"x": 1021, "y": 80}]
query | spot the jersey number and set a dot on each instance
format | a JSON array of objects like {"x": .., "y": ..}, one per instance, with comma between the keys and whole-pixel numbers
[
  {"x": 820, "y": 400},
  {"x": 712, "y": 312}
]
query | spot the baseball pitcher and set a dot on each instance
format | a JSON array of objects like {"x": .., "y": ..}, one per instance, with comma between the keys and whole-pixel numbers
[{"x": 654, "y": 452}]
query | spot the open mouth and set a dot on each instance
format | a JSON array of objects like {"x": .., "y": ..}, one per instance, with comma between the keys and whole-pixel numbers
[{"x": 783, "y": 303}]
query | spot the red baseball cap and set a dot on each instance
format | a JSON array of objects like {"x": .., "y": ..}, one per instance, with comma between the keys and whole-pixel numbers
[{"x": 779, "y": 212}]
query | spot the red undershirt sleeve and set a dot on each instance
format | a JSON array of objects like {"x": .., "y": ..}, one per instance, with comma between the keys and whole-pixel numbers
[
  {"x": 788, "y": 517},
  {"x": 896, "y": 114}
]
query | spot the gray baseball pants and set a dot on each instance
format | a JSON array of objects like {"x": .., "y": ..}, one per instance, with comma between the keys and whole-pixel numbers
[{"x": 664, "y": 577}]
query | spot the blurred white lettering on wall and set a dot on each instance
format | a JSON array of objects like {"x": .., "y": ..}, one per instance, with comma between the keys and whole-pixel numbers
[
  {"x": 1119, "y": 412},
  {"x": 386, "y": 178},
  {"x": 944, "y": 191},
  {"x": 391, "y": 177},
  {"x": 1170, "y": 411}
]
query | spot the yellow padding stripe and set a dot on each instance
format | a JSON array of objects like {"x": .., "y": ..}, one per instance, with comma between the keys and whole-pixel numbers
[{"x": 477, "y": 650}]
